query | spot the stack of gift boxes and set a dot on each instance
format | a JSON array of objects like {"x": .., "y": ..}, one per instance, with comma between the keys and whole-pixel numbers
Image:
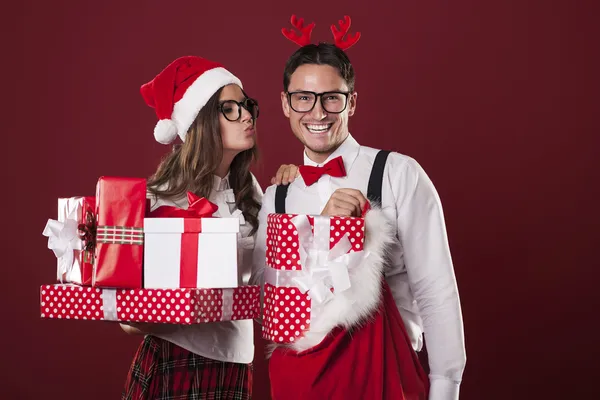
[{"x": 118, "y": 261}]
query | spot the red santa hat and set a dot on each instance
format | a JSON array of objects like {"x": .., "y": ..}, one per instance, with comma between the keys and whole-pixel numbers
[{"x": 180, "y": 91}]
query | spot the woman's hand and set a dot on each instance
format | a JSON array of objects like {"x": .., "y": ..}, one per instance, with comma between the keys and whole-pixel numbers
[
  {"x": 142, "y": 328},
  {"x": 287, "y": 173}
]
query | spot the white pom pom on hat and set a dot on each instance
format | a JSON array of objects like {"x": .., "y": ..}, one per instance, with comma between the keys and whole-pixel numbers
[
  {"x": 180, "y": 91},
  {"x": 165, "y": 131}
]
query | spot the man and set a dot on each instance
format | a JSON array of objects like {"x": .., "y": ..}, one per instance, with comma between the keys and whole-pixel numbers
[{"x": 318, "y": 98}]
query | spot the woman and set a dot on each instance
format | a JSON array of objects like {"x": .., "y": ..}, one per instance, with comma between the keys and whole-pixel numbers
[{"x": 204, "y": 104}]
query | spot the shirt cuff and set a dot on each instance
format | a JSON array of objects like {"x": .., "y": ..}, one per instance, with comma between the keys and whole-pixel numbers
[{"x": 443, "y": 389}]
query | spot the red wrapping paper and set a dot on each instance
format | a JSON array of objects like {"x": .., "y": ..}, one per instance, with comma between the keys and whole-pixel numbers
[{"x": 120, "y": 210}]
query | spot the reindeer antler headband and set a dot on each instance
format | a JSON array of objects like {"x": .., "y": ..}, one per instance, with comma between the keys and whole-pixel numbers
[{"x": 303, "y": 38}]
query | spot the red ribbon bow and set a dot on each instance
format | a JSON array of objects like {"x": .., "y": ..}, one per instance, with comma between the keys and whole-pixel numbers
[
  {"x": 87, "y": 231},
  {"x": 312, "y": 174},
  {"x": 199, "y": 207}
]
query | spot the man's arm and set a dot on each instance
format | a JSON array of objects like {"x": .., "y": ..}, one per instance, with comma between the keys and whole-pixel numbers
[{"x": 422, "y": 232}]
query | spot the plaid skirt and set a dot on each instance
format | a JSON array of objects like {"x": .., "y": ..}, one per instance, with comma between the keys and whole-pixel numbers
[{"x": 162, "y": 370}]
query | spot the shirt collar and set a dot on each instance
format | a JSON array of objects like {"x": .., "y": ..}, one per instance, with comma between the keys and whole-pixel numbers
[
  {"x": 348, "y": 150},
  {"x": 220, "y": 184}
]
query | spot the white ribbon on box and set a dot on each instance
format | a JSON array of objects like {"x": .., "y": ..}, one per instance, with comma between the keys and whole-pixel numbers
[
  {"x": 227, "y": 312},
  {"x": 109, "y": 304},
  {"x": 322, "y": 268},
  {"x": 63, "y": 239}
]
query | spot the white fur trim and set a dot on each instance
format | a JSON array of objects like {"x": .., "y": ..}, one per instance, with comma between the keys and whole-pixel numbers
[
  {"x": 197, "y": 95},
  {"x": 357, "y": 304},
  {"x": 165, "y": 131}
]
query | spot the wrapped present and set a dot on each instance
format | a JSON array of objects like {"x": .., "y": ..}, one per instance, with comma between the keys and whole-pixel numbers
[
  {"x": 120, "y": 212},
  {"x": 189, "y": 249},
  {"x": 175, "y": 306},
  {"x": 308, "y": 258},
  {"x": 71, "y": 240}
]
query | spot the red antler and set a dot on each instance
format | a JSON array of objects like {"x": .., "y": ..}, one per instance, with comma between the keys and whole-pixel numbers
[
  {"x": 338, "y": 35},
  {"x": 304, "y": 38}
]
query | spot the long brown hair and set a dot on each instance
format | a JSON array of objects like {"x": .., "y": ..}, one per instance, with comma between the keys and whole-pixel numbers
[{"x": 191, "y": 165}]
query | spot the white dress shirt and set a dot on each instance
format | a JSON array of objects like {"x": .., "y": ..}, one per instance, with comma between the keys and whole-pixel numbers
[
  {"x": 420, "y": 274},
  {"x": 231, "y": 341}
]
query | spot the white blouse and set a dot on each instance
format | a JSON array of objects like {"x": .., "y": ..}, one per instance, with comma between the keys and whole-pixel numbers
[{"x": 223, "y": 341}]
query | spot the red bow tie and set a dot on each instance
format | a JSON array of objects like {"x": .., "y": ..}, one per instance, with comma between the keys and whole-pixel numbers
[{"x": 334, "y": 167}]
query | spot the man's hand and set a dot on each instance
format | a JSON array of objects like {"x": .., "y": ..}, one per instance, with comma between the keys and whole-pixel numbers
[
  {"x": 141, "y": 328},
  {"x": 287, "y": 173},
  {"x": 345, "y": 203}
]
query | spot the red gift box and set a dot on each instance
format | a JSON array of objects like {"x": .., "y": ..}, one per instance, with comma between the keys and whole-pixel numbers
[
  {"x": 176, "y": 306},
  {"x": 307, "y": 260},
  {"x": 120, "y": 211}
]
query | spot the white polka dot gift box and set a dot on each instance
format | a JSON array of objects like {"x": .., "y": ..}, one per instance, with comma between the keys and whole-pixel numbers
[
  {"x": 176, "y": 306},
  {"x": 307, "y": 263}
]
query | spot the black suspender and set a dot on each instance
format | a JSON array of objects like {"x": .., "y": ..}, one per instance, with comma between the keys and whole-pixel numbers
[
  {"x": 373, "y": 189},
  {"x": 376, "y": 178},
  {"x": 280, "y": 195}
]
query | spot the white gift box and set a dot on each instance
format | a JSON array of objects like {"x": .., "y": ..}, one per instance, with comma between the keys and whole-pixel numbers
[
  {"x": 74, "y": 263},
  {"x": 190, "y": 253}
]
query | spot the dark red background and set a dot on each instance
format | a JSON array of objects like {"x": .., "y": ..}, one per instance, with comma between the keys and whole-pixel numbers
[{"x": 497, "y": 100}]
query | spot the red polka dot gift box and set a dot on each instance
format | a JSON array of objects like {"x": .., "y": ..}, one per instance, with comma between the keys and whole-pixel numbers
[
  {"x": 176, "y": 306},
  {"x": 307, "y": 263}
]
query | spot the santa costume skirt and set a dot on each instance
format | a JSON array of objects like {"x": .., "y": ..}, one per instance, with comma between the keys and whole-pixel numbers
[
  {"x": 373, "y": 361},
  {"x": 162, "y": 370}
]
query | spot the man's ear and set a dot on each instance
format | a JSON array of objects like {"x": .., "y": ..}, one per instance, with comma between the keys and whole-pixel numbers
[
  {"x": 352, "y": 104},
  {"x": 285, "y": 105}
]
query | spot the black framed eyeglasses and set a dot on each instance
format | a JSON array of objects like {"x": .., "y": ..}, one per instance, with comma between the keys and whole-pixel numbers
[
  {"x": 332, "y": 102},
  {"x": 232, "y": 110}
]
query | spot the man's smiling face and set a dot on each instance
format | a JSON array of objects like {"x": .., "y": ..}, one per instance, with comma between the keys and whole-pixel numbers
[{"x": 320, "y": 132}]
